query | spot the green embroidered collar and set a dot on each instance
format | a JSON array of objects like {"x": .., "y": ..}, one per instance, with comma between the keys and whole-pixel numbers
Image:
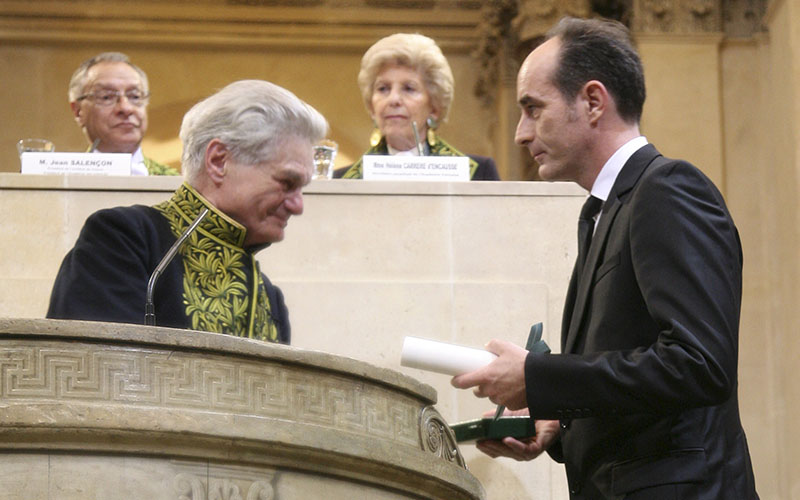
[
  {"x": 186, "y": 204},
  {"x": 223, "y": 290}
]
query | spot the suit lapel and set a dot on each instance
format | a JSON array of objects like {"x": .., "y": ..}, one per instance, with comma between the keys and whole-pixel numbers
[
  {"x": 581, "y": 286},
  {"x": 586, "y": 279}
]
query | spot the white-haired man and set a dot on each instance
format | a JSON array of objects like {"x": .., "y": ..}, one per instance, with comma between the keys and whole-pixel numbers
[
  {"x": 108, "y": 95},
  {"x": 247, "y": 153}
]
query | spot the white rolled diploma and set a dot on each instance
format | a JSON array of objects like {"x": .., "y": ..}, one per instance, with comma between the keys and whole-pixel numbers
[{"x": 441, "y": 357}]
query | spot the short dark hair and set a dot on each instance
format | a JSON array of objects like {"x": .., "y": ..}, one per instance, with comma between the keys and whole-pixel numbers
[{"x": 602, "y": 50}]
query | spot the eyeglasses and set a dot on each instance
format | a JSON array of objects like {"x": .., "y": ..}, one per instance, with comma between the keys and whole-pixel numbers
[{"x": 107, "y": 98}]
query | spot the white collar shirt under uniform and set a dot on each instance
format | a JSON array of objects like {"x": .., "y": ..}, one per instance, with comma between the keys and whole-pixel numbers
[{"x": 137, "y": 163}]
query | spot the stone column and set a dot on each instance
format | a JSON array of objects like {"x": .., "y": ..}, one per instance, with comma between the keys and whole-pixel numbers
[{"x": 496, "y": 81}]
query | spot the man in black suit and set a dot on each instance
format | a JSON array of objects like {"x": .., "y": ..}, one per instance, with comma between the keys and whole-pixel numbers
[{"x": 642, "y": 401}]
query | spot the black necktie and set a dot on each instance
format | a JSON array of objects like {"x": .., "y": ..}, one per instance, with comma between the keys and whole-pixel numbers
[{"x": 586, "y": 228}]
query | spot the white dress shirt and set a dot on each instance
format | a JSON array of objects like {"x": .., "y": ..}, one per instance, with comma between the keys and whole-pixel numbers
[
  {"x": 137, "y": 163},
  {"x": 608, "y": 174}
]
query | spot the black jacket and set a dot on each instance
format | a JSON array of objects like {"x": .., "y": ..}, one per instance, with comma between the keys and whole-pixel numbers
[
  {"x": 105, "y": 276},
  {"x": 646, "y": 387}
]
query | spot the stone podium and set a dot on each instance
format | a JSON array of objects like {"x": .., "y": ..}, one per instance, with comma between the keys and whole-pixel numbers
[{"x": 105, "y": 410}]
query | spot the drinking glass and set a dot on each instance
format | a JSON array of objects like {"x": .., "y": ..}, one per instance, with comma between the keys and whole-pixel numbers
[
  {"x": 35, "y": 146},
  {"x": 324, "y": 156}
]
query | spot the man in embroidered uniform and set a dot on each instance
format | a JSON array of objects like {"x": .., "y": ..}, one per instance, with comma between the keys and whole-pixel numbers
[
  {"x": 641, "y": 403},
  {"x": 247, "y": 153},
  {"x": 108, "y": 95}
]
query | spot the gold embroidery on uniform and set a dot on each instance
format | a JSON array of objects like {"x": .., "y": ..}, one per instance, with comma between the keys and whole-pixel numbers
[
  {"x": 215, "y": 275},
  {"x": 155, "y": 168}
]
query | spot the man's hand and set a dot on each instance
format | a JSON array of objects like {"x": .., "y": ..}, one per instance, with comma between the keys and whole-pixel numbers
[
  {"x": 502, "y": 380},
  {"x": 547, "y": 432}
]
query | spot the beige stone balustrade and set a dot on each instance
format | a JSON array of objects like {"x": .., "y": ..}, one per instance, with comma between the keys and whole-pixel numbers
[{"x": 104, "y": 410}]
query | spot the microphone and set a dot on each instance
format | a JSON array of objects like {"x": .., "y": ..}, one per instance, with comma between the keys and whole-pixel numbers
[
  {"x": 149, "y": 306},
  {"x": 94, "y": 145},
  {"x": 416, "y": 138}
]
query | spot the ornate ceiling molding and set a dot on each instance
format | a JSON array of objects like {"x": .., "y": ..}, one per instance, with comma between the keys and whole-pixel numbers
[
  {"x": 509, "y": 29},
  {"x": 496, "y": 38},
  {"x": 743, "y": 18},
  {"x": 677, "y": 16},
  {"x": 537, "y": 16},
  {"x": 331, "y": 24},
  {"x": 735, "y": 18}
]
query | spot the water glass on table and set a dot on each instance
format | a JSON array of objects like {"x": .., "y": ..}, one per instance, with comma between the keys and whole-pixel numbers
[
  {"x": 324, "y": 156},
  {"x": 35, "y": 146}
]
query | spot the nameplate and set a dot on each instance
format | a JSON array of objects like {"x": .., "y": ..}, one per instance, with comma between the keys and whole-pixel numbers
[
  {"x": 415, "y": 168},
  {"x": 76, "y": 163}
]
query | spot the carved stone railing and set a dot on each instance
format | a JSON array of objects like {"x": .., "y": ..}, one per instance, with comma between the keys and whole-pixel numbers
[{"x": 175, "y": 414}]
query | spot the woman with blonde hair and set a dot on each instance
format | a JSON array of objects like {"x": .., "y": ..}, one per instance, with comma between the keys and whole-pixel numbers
[{"x": 405, "y": 79}]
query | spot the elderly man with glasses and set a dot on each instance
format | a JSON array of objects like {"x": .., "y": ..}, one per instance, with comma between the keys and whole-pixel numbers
[{"x": 108, "y": 95}]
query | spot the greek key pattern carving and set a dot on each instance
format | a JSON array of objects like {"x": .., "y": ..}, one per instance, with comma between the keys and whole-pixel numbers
[{"x": 151, "y": 378}]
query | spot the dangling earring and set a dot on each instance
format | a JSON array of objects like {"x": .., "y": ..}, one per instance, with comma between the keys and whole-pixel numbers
[
  {"x": 432, "y": 125},
  {"x": 375, "y": 136}
]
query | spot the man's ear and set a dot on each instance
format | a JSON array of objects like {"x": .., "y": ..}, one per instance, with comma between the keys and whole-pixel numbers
[
  {"x": 596, "y": 98},
  {"x": 216, "y": 160},
  {"x": 75, "y": 106}
]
